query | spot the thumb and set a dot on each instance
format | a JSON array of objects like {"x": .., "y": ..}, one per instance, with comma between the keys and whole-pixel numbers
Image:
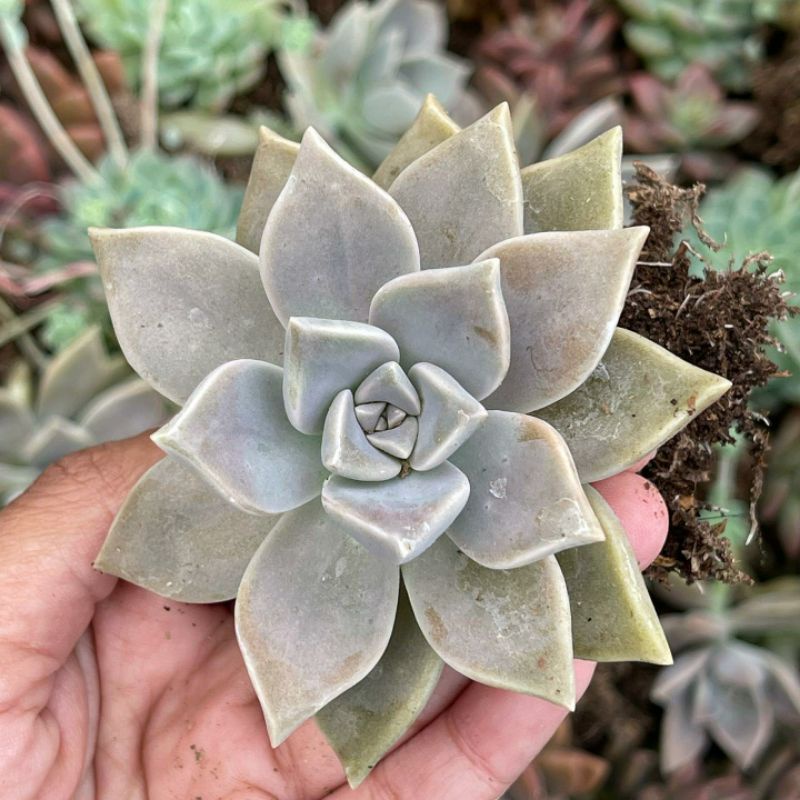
[{"x": 49, "y": 537}]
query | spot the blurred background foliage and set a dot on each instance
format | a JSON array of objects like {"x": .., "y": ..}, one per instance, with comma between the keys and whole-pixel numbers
[{"x": 139, "y": 112}]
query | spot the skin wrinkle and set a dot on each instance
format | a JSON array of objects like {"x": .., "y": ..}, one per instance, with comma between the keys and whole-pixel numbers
[{"x": 159, "y": 695}]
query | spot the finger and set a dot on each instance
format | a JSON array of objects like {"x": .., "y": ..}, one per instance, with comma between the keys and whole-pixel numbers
[
  {"x": 48, "y": 539},
  {"x": 488, "y": 736},
  {"x": 641, "y": 510}
]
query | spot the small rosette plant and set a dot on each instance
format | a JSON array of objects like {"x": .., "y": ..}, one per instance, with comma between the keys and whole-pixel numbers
[{"x": 388, "y": 420}]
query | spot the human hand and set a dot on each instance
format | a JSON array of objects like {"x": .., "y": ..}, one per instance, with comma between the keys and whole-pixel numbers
[{"x": 108, "y": 691}]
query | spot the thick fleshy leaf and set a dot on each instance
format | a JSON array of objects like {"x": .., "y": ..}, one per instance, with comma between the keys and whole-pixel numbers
[
  {"x": 333, "y": 239},
  {"x": 389, "y": 384},
  {"x": 638, "y": 396},
  {"x": 345, "y": 449},
  {"x": 454, "y": 318},
  {"x": 613, "y": 618},
  {"x": 504, "y": 628},
  {"x": 178, "y": 537},
  {"x": 17, "y": 423},
  {"x": 313, "y": 616},
  {"x": 395, "y": 416},
  {"x": 450, "y": 415},
  {"x": 272, "y": 163},
  {"x": 464, "y": 195},
  {"x": 579, "y": 191},
  {"x": 77, "y": 374},
  {"x": 124, "y": 410},
  {"x": 399, "y": 440},
  {"x": 14, "y": 479},
  {"x": 234, "y": 431},
  {"x": 183, "y": 302},
  {"x": 324, "y": 356},
  {"x": 398, "y": 519},
  {"x": 682, "y": 739},
  {"x": 431, "y": 127},
  {"x": 365, "y": 722},
  {"x": 368, "y": 415},
  {"x": 56, "y": 438},
  {"x": 564, "y": 293},
  {"x": 526, "y": 500}
]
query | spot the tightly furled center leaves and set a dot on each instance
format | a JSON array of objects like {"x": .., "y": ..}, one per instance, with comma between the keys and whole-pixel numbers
[{"x": 422, "y": 370}]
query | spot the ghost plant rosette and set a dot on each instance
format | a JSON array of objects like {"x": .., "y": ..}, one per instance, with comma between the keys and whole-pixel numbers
[{"x": 389, "y": 420}]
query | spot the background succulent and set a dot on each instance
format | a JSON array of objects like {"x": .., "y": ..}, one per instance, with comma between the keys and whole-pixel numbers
[
  {"x": 562, "y": 54},
  {"x": 723, "y": 686},
  {"x": 364, "y": 78},
  {"x": 82, "y": 397},
  {"x": 756, "y": 212},
  {"x": 210, "y": 49},
  {"x": 152, "y": 188},
  {"x": 725, "y": 36},
  {"x": 691, "y": 113}
]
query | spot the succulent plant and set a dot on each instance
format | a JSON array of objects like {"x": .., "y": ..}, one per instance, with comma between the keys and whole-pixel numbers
[
  {"x": 723, "y": 687},
  {"x": 364, "y": 79},
  {"x": 669, "y": 35},
  {"x": 780, "y": 503},
  {"x": 82, "y": 397},
  {"x": 755, "y": 212},
  {"x": 152, "y": 188},
  {"x": 692, "y": 113},
  {"x": 210, "y": 49},
  {"x": 348, "y": 416},
  {"x": 562, "y": 54}
]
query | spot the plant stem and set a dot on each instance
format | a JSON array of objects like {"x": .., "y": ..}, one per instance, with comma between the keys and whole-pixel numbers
[
  {"x": 12, "y": 43},
  {"x": 25, "y": 341},
  {"x": 90, "y": 75},
  {"x": 158, "y": 13}
]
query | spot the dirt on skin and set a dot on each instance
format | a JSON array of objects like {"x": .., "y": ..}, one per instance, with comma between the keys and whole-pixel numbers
[{"x": 719, "y": 322}]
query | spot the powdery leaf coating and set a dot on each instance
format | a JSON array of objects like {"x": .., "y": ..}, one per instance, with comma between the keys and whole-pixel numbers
[
  {"x": 613, "y": 618},
  {"x": 461, "y": 607},
  {"x": 638, "y": 396},
  {"x": 564, "y": 293},
  {"x": 234, "y": 431},
  {"x": 450, "y": 415},
  {"x": 389, "y": 384},
  {"x": 272, "y": 164},
  {"x": 17, "y": 423},
  {"x": 579, "y": 191},
  {"x": 365, "y": 722},
  {"x": 314, "y": 614},
  {"x": 200, "y": 556},
  {"x": 332, "y": 240},
  {"x": 345, "y": 449},
  {"x": 397, "y": 440},
  {"x": 77, "y": 374},
  {"x": 324, "y": 356},
  {"x": 183, "y": 302},
  {"x": 465, "y": 194},
  {"x": 398, "y": 519},
  {"x": 526, "y": 500},
  {"x": 453, "y": 317},
  {"x": 430, "y": 128}
]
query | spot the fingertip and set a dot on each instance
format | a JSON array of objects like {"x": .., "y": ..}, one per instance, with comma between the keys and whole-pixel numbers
[{"x": 641, "y": 510}]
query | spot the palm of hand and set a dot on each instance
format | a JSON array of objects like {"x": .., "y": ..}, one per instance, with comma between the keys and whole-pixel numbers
[{"x": 108, "y": 691}]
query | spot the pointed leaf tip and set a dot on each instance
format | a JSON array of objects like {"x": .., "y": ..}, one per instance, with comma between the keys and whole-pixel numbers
[
  {"x": 613, "y": 618},
  {"x": 464, "y": 194},
  {"x": 332, "y": 239},
  {"x": 309, "y": 566},
  {"x": 580, "y": 190},
  {"x": 504, "y": 628},
  {"x": 638, "y": 397}
]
